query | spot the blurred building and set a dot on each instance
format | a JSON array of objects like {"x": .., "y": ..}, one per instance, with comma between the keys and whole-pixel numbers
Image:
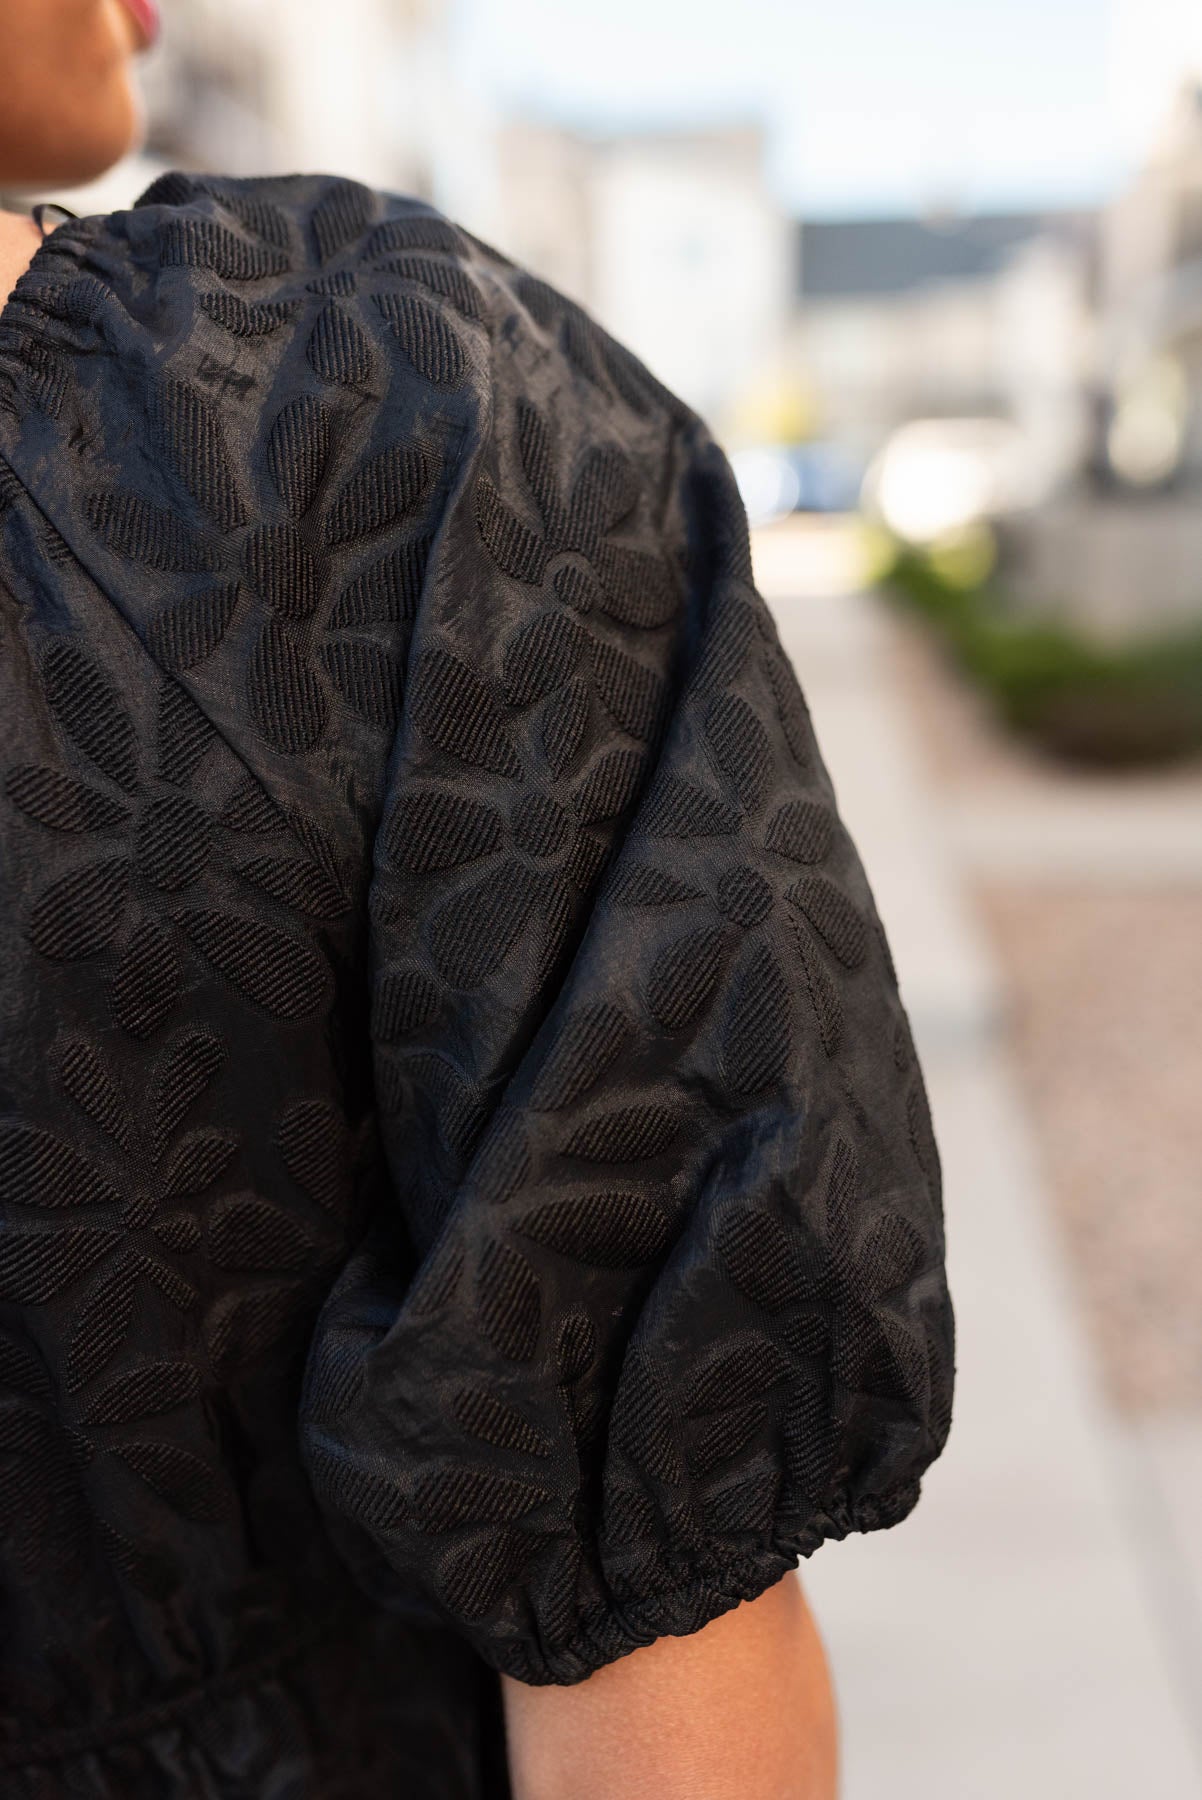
[
  {"x": 285, "y": 85},
  {"x": 672, "y": 239},
  {"x": 1152, "y": 300},
  {"x": 282, "y": 86},
  {"x": 1122, "y": 553},
  {"x": 900, "y": 318}
]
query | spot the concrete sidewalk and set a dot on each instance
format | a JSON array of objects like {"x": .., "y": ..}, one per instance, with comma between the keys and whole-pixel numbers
[{"x": 1005, "y": 1641}]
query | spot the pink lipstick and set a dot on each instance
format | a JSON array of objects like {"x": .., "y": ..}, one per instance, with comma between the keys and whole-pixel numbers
[{"x": 145, "y": 14}]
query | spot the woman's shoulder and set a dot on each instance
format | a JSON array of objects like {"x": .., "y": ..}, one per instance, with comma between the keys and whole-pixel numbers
[
  {"x": 351, "y": 269},
  {"x": 251, "y": 407},
  {"x": 235, "y": 287},
  {"x": 242, "y": 320}
]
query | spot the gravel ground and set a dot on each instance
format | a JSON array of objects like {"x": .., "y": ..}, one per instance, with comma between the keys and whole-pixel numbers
[
  {"x": 1104, "y": 984},
  {"x": 1105, "y": 994}
]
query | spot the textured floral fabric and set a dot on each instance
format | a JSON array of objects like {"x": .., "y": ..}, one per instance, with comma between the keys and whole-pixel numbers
[{"x": 467, "y": 1194}]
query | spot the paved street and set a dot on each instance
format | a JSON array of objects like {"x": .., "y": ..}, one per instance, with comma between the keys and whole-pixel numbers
[{"x": 1030, "y": 1631}]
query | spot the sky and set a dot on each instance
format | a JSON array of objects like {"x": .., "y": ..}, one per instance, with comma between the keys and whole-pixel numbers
[{"x": 870, "y": 105}]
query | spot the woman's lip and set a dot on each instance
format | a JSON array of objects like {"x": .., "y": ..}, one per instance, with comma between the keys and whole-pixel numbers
[{"x": 145, "y": 14}]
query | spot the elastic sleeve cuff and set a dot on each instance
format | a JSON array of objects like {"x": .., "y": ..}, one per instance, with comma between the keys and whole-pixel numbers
[{"x": 688, "y": 1590}]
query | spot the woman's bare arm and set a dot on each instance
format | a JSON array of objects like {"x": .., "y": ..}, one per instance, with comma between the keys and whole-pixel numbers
[{"x": 741, "y": 1710}]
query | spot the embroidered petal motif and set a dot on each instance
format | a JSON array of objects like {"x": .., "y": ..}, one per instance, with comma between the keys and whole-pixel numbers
[
  {"x": 191, "y": 437},
  {"x": 37, "y": 1169},
  {"x": 179, "y": 1478},
  {"x": 454, "y": 1050},
  {"x": 278, "y": 972},
  {"x": 35, "y": 1265},
  {"x": 298, "y": 450},
  {"x": 614, "y": 1231},
  {"x": 453, "y": 707},
  {"x": 431, "y": 345},
  {"x": 137, "y": 529},
  {"x": 81, "y": 913},
  {"x": 383, "y": 493}
]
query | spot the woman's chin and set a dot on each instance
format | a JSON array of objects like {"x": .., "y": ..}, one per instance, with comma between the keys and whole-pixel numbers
[{"x": 82, "y": 155}]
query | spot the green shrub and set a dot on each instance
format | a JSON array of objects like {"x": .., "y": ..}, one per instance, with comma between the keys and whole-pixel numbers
[{"x": 1116, "y": 704}]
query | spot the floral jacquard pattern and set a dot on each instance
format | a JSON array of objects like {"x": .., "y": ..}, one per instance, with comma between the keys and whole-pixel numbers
[
  {"x": 221, "y": 1263},
  {"x": 132, "y": 1238},
  {"x": 152, "y": 1235},
  {"x": 629, "y": 583},
  {"x": 130, "y": 1214},
  {"x": 150, "y": 847},
  {"x": 630, "y": 1448},
  {"x": 468, "y": 1199},
  {"x": 788, "y": 843},
  {"x": 329, "y": 630},
  {"x": 524, "y": 863},
  {"x": 309, "y": 648}
]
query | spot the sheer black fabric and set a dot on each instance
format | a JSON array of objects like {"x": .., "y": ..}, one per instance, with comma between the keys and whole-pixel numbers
[{"x": 468, "y": 1197}]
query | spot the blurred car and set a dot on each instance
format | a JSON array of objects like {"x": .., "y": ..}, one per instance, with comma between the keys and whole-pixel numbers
[
  {"x": 778, "y": 479},
  {"x": 935, "y": 477}
]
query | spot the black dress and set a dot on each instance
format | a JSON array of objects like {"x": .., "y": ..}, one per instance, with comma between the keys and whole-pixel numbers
[{"x": 468, "y": 1197}]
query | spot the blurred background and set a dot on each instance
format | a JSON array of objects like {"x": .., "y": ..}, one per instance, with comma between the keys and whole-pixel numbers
[{"x": 934, "y": 274}]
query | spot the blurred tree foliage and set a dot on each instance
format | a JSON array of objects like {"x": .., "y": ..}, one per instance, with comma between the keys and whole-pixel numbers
[{"x": 1086, "y": 701}]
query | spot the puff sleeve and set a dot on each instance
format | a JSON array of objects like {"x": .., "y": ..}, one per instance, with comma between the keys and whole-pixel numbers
[{"x": 653, "y": 1300}]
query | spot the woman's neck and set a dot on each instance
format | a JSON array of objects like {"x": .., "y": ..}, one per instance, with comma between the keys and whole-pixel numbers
[{"x": 19, "y": 238}]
